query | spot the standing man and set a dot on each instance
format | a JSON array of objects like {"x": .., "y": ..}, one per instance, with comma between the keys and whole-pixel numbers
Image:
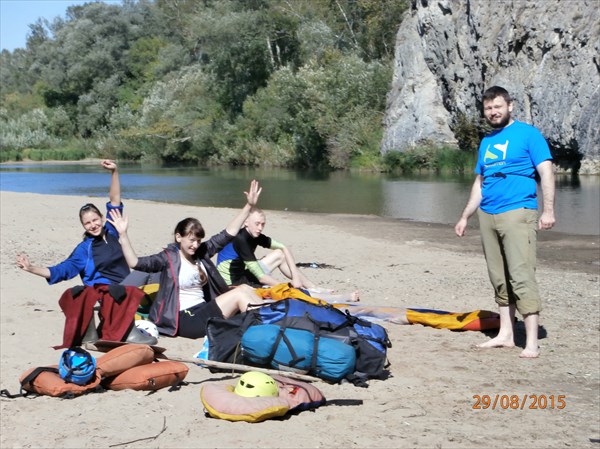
[{"x": 510, "y": 159}]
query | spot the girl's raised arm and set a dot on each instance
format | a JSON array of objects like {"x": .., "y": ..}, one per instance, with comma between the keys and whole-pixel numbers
[
  {"x": 115, "y": 185},
  {"x": 120, "y": 222}
]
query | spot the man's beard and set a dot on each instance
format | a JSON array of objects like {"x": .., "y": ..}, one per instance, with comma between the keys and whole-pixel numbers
[{"x": 500, "y": 124}]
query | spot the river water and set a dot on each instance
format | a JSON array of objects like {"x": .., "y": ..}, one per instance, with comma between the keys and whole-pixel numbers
[{"x": 427, "y": 198}]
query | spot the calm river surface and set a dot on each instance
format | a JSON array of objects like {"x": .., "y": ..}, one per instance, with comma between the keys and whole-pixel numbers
[{"x": 428, "y": 198}]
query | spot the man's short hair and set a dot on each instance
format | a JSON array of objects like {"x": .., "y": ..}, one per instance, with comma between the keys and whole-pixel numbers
[
  {"x": 494, "y": 92},
  {"x": 256, "y": 210}
]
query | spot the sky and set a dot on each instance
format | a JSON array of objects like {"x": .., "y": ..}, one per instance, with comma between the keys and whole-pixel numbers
[{"x": 16, "y": 15}]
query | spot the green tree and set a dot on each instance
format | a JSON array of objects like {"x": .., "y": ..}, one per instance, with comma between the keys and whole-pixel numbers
[
  {"x": 256, "y": 82},
  {"x": 237, "y": 55},
  {"x": 371, "y": 25},
  {"x": 365, "y": 27},
  {"x": 178, "y": 117},
  {"x": 326, "y": 115},
  {"x": 88, "y": 52}
]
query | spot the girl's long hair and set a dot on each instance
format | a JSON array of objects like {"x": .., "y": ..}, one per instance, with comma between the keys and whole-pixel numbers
[{"x": 189, "y": 226}]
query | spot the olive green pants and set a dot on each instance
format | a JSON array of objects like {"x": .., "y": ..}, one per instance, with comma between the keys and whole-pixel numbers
[{"x": 509, "y": 244}]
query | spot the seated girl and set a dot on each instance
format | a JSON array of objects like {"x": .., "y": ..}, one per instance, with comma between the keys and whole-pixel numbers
[
  {"x": 191, "y": 289},
  {"x": 98, "y": 259}
]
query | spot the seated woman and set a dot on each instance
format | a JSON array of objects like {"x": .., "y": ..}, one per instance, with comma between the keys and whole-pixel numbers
[
  {"x": 98, "y": 259},
  {"x": 191, "y": 289}
]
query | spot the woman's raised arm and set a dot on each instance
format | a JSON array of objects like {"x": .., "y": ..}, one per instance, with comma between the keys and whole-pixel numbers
[
  {"x": 115, "y": 185},
  {"x": 120, "y": 222}
]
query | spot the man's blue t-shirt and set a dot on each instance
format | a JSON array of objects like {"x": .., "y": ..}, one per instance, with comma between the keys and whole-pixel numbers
[{"x": 507, "y": 161}]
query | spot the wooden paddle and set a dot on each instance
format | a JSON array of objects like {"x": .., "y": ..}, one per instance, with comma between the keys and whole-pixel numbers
[{"x": 107, "y": 345}]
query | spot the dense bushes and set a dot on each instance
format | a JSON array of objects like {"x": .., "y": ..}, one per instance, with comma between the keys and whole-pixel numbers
[{"x": 430, "y": 158}]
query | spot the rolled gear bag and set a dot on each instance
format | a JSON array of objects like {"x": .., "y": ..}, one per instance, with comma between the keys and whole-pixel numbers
[
  {"x": 298, "y": 350},
  {"x": 280, "y": 348}
]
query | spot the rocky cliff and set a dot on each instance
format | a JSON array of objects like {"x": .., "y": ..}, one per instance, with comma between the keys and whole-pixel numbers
[{"x": 544, "y": 52}]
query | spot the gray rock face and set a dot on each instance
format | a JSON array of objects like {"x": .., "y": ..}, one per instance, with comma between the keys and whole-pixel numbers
[{"x": 546, "y": 53}]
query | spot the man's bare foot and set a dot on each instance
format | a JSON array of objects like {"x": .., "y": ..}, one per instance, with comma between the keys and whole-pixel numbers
[
  {"x": 347, "y": 297},
  {"x": 497, "y": 342},
  {"x": 530, "y": 353},
  {"x": 319, "y": 290},
  {"x": 339, "y": 298}
]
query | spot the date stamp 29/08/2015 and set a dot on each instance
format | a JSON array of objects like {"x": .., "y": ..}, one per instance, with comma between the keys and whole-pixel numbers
[{"x": 519, "y": 402}]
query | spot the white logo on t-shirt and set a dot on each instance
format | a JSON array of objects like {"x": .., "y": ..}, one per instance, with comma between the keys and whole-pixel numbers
[{"x": 494, "y": 156}]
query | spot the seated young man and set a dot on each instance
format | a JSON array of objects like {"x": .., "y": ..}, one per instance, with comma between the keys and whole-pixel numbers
[{"x": 238, "y": 265}]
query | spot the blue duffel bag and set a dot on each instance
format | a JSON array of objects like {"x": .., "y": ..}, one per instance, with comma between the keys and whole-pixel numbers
[{"x": 298, "y": 350}]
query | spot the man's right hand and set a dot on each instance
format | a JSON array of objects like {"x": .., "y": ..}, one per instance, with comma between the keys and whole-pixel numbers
[{"x": 461, "y": 227}]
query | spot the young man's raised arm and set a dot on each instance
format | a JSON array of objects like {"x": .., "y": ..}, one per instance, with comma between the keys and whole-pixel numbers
[{"x": 252, "y": 196}]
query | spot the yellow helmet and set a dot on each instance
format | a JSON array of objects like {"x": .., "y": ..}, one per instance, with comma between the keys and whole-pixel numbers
[{"x": 256, "y": 384}]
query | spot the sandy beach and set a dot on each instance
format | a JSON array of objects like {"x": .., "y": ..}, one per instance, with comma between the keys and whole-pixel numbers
[{"x": 436, "y": 374}]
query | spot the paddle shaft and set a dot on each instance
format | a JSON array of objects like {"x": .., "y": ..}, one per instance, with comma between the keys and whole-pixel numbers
[
  {"x": 207, "y": 363},
  {"x": 242, "y": 368}
]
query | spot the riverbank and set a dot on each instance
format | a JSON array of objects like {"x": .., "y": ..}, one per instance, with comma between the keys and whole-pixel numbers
[
  {"x": 86, "y": 161},
  {"x": 427, "y": 402}
]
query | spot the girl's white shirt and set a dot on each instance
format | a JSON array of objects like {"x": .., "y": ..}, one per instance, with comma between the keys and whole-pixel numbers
[{"x": 192, "y": 278}]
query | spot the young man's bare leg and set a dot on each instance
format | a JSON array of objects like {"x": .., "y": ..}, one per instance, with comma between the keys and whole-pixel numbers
[
  {"x": 505, "y": 337},
  {"x": 532, "y": 349},
  {"x": 237, "y": 300},
  {"x": 276, "y": 259},
  {"x": 287, "y": 272},
  {"x": 335, "y": 298},
  {"x": 273, "y": 259}
]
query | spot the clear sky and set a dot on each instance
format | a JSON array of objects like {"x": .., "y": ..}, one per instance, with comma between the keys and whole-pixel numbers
[{"x": 16, "y": 15}]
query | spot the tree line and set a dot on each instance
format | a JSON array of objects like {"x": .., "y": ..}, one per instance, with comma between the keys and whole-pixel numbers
[{"x": 288, "y": 83}]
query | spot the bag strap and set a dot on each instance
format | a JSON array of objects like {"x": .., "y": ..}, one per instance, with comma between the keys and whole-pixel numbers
[
  {"x": 316, "y": 336},
  {"x": 7, "y": 394},
  {"x": 27, "y": 380},
  {"x": 32, "y": 375},
  {"x": 281, "y": 336}
]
